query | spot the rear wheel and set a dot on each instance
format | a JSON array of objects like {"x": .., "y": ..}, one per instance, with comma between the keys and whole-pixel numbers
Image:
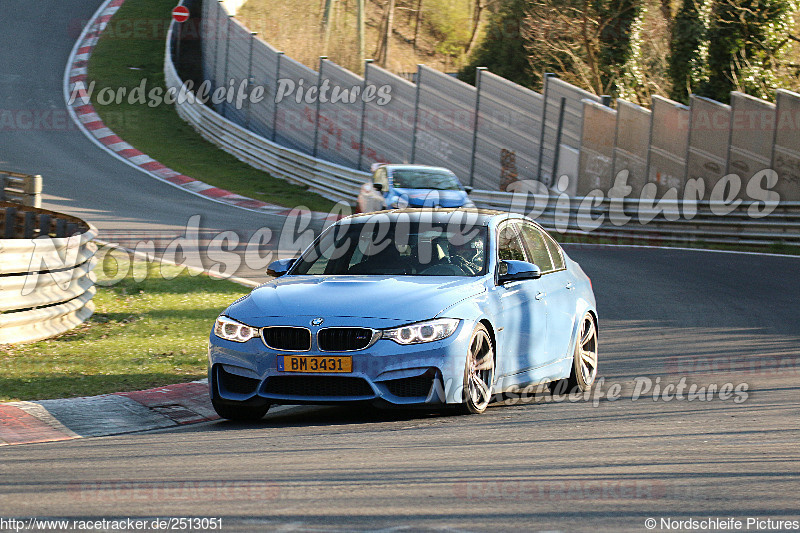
[
  {"x": 479, "y": 372},
  {"x": 584, "y": 364}
]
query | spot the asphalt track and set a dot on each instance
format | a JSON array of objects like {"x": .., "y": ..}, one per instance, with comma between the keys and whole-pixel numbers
[{"x": 665, "y": 315}]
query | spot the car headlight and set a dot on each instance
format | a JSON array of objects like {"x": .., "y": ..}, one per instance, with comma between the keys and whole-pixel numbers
[
  {"x": 428, "y": 331},
  {"x": 232, "y": 330}
]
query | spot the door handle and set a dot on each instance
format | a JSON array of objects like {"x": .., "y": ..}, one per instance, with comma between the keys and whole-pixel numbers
[
  {"x": 570, "y": 285},
  {"x": 540, "y": 295}
]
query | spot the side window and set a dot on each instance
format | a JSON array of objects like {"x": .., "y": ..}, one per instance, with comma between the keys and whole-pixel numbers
[
  {"x": 537, "y": 247},
  {"x": 508, "y": 246},
  {"x": 555, "y": 252}
]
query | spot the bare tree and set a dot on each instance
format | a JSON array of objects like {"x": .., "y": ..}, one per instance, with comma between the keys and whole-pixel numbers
[{"x": 385, "y": 42}]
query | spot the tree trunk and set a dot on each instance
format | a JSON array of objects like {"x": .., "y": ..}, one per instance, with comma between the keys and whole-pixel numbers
[
  {"x": 477, "y": 11},
  {"x": 387, "y": 35},
  {"x": 360, "y": 23},
  {"x": 416, "y": 23},
  {"x": 326, "y": 25}
]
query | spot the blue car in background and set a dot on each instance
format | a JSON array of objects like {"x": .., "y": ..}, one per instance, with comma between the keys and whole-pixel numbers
[
  {"x": 413, "y": 307},
  {"x": 400, "y": 186}
]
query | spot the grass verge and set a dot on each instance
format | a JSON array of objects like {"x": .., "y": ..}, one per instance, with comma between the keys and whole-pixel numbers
[
  {"x": 132, "y": 49},
  {"x": 143, "y": 334}
]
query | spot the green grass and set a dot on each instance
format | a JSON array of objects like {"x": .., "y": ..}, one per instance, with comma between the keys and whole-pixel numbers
[
  {"x": 142, "y": 335},
  {"x": 120, "y": 60}
]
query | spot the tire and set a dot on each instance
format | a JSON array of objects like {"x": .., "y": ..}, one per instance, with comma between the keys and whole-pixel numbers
[
  {"x": 584, "y": 359},
  {"x": 478, "y": 372},
  {"x": 239, "y": 413}
]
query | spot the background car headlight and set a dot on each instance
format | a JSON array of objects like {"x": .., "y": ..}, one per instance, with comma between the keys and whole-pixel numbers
[
  {"x": 428, "y": 331},
  {"x": 231, "y": 330}
]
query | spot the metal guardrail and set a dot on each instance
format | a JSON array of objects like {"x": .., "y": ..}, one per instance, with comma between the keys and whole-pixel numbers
[
  {"x": 20, "y": 188},
  {"x": 46, "y": 279},
  {"x": 672, "y": 224}
]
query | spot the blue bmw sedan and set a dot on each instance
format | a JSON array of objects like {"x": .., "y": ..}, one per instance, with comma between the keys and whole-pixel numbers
[
  {"x": 400, "y": 186},
  {"x": 408, "y": 307}
]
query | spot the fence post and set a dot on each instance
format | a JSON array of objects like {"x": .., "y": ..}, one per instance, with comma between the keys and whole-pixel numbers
[
  {"x": 561, "y": 107},
  {"x": 225, "y": 76},
  {"x": 547, "y": 77},
  {"x": 478, "y": 74},
  {"x": 416, "y": 116},
  {"x": 367, "y": 63},
  {"x": 250, "y": 80},
  {"x": 605, "y": 100},
  {"x": 216, "y": 48},
  {"x": 275, "y": 97},
  {"x": 322, "y": 60}
]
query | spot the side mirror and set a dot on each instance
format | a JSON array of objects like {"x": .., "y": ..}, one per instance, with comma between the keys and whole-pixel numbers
[
  {"x": 511, "y": 270},
  {"x": 378, "y": 187},
  {"x": 280, "y": 267},
  {"x": 469, "y": 189}
]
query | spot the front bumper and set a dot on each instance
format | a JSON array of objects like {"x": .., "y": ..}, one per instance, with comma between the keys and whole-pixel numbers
[{"x": 387, "y": 372}]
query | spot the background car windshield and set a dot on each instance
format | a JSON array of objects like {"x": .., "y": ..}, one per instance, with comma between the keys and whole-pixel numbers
[
  {"x": 395, "y": 248},
  {"x": 425, "y": 179}
]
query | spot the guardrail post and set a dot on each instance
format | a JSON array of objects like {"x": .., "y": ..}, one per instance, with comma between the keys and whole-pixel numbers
[
  {"x": 275, "y": 97},
  {"x": 322, "y": 60},
  {"x": 10, "y": 223},
  {"x": 44, "y": 225},
  {"x": 416, "y": 116},
  {"x": 30, "y": 225},
  {"x": 367, "y": 63},
  {"x": 557, "y": 154},
  {"x": 478, "y": 73},
  {"x": 547, "y": 76}
]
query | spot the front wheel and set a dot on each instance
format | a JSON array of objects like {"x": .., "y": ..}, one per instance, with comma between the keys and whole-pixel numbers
[
  {"x": 584, "y": 364},
  {"x": 239, "y": 413},
  {"x": 479, "y": 372}
]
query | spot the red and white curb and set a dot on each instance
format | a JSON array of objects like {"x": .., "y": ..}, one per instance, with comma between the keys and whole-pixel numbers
[
  {"x": 88, "y": 121},
  {"x": 107, "y": 414}
]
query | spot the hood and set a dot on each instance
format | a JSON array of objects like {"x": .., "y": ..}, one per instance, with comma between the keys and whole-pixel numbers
[
  {"x": 417, "y": 197},
  {"x": 403, "y": 298}
]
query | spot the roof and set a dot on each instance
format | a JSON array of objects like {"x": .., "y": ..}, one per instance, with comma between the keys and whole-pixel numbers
[{"x": 437, "y": 215}]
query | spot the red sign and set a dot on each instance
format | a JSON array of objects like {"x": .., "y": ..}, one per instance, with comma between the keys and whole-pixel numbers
[{"x": 180, "y": 14}]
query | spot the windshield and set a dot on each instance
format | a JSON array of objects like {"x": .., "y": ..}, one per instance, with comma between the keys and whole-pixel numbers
[
  {"x": 425, "y": 178},
  {"x": 396, "y": 249}
]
